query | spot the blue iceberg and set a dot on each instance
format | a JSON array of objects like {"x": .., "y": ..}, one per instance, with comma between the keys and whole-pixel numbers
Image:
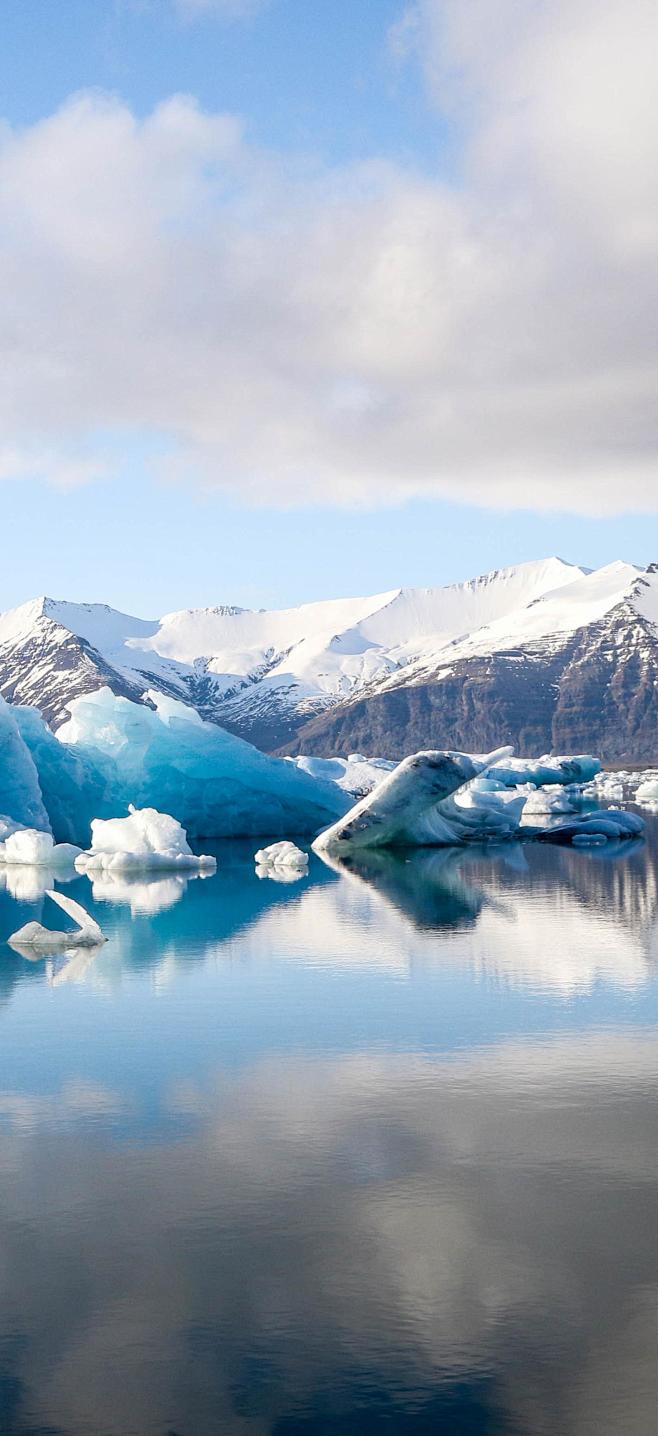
[{"x": 112, "y": 753}]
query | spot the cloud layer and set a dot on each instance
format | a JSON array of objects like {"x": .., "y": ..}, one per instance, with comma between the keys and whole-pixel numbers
[{"x": 294, "y": 333}]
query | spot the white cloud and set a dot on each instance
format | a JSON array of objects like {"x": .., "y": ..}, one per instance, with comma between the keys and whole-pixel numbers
[{"x": 367, "y": 333}]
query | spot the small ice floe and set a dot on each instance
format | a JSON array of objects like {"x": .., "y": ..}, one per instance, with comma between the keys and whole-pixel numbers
[
  {"x": 144, "y": 841},
  {"x": 608, "y": 825},
  {"x": 647, "y": 791},
  {"x": 34, "y": 935},
  {"x": 554, "y": 800},
  {"x": 28, "y": 847},
  {"x": 281, "y": 861}
]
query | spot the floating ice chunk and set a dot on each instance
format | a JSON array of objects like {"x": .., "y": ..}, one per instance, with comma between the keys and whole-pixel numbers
[
  {"x": 610, "y": 823},
  {"x": 282, "y": 855},
  {"x": 554, "y": 799},
  {"x": 87, "y": 933},
  {"x": 355, "y": 774},
  {"x": 547, "y": 770},
  {"x": 647, "y": 791},
  {"x": 28, "y": 847},
  {"x": 606, "y": 787},
  {"x": 415, "y": 806},
  {"x": 145, "y": 840},
  {"x": 7, "y": 827}
]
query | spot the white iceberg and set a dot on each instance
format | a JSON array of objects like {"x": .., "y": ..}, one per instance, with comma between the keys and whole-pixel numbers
[
  {"x": 554, "y": 799},
  {"x": 144, "y": 841},
  {"x": 547, "y": 770},
  {"x": 416, "y": 805},
  {"x": 31, "y": 848},
  {"x": 647, "y": 790},
  {"x": 282, "y": 855},
  {"x": 355, "y": 774},
  {"x": 34, "y": 935}
]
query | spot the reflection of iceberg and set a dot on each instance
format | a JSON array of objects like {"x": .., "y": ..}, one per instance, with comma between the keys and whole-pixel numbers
[
  {"x": 28, "y": 884},
  {"x": 142, "y": 895},
  {"x": 429, "y": 887},
  {"x": 533, "y": 916}
]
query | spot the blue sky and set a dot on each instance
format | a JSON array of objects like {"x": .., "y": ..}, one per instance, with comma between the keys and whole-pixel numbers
[{"x": 318, "y": 348}]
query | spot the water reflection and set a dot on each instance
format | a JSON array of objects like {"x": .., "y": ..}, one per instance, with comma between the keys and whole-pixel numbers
[
  {"x": 374, "y": 1152},
  {"x": 343, "y": 1244}
]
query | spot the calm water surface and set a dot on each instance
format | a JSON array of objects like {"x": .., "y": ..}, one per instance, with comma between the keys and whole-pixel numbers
[{"x": 370, "y": 1152}]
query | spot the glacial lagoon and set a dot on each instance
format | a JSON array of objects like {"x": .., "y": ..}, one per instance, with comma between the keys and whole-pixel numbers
[{"x": 369, "y": 1151}]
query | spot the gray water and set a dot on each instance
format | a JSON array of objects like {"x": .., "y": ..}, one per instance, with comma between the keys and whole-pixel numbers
[{"x": 371, "y": 1152}]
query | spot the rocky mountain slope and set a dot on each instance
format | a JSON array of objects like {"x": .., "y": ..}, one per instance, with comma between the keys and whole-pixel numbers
[
  {"x": 575, "y": 671},
  {"x": 544, "y": 655}
]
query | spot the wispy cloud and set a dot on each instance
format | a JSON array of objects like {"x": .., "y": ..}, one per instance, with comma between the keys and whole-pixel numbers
[{"x": 366, "y": 333}]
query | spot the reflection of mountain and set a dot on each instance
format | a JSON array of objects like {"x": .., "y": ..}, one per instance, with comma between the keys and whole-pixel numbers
[{"x": 365, "y": 1244}]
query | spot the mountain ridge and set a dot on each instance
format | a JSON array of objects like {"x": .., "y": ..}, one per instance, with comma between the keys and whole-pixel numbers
[{"x": 533, "y": 653}]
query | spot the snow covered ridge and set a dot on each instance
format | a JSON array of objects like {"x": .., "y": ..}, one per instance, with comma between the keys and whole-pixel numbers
[{"x": 264, "y": 674}]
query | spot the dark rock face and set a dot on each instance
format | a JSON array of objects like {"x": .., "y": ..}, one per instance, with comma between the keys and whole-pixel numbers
[{"x": 595, "y": 692}]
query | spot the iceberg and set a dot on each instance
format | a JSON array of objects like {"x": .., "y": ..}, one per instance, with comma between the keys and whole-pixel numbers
[
  {"x": 143, "y": 841},
  {"x": 553, "y": 800},
  {"x": 72, "y": 787},
  {"x": 86, "y": 934},
  {"x": 282, "y": 855},
  {"x": 416, "y": 806},
  {"x": 29, "y": 847},
  {"x": 647, "y": 791},
  {"x": 21, "y": 799},
  {"x": 609, "y": 824},
  {"x": 165, "y": 756},
  {"x": 548, "y": 770},
  {"x": 355, "y": 774}
]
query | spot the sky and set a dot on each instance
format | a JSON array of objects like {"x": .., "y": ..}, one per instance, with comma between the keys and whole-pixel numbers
[{"x": 301, "y": 298}]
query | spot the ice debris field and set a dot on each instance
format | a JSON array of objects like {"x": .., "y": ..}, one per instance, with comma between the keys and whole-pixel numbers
[{"x": 121, "y": 785}]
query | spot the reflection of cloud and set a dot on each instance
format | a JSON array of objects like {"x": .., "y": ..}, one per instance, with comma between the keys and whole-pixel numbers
[
  {"x": 393, "y": 1225},
  {"x": 78, "y": 1101}
]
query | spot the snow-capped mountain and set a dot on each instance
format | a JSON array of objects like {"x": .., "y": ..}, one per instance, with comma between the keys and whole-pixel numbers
[
  {"x": 574, "y": 669},
  {"x": 538, "y": 654}
]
